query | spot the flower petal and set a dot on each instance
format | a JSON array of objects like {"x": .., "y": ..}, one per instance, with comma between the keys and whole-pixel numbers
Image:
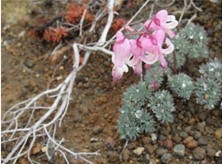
[
  {"x": 149, "y": 59},
  {"x": 171, "y": 22},
  {"x": 121, "y": 49},
  {"x": 163, "y": 61},
  {"x": 117, "y": 72},
  {"x": 170, "y": 47}
]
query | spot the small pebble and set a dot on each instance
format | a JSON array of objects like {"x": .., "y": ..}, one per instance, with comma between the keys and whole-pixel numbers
[
  {"x": 110, "y": 143},
  {"x": 183, "y": 134},
  {"x": 147, "y": 157},
  {"x": 202, "y": 141},
  {"x": 162, "y": 137},
  {"x": 138, "y": 151},
  {"x": 165, "y": 158},
  {"x": 218, "y": 133},
  {"x": 202, "y": 116},
  {"x": 161, "y": 151},
  {"x": 191, "y": 121},
  {"x": 150, "y": 148},
  {"x": 152, "y": 161},
  {"x": 97, "y": 130},
  {"x": 153, "y": 137},
  {"x": 218, "y": 154},
  {"x": 177, "y": 138},
  {"x": 179, "y": 150},
  {"x": 146, "y": 140},
  {"x": 168, "y": 144},
  {"x": 126, "y": 154},
  {"x": 113, "y": 156},
  {"x": 199, "y": 153},
  {"x": 94, "y": 139},
  {"x": 190, "y": 142},
  {"x": 210, "y": 151},
  {"x": 197, "y": 135}
]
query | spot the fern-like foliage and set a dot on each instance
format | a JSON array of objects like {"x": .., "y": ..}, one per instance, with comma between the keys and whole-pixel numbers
[
  {"x": 155, "y": 75},
  {"x": 189, "y": 42},
  {"x": 162, "y": 105},
  {"x": 212, "y": 70},
  {"x": 208, "y": 92},
  {"x": 134, "y": 121},
  {"x": 196, "y": 39},
  {"x": 136, "y": 94},
  {"x": 181, "y": 84}
]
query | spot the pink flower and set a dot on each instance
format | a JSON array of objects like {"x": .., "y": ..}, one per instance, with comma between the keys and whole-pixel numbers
[
  {"x": 162, "y": 21},
  {"x": 121, "y": 56},
  {"x": 153, "y": 48},
  {"x": 136, "y": 52}
]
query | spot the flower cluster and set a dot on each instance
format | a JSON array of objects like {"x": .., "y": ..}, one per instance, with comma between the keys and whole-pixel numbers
[{"x": 151, "y": 45}]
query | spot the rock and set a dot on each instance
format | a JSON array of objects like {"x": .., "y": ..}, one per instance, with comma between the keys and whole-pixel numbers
[
  {"x": 218, "y": 133},
  {"x": 150, "y": 148},
  {"x": 179, "y": 150},
  {"x": 113, "y": 156},
  {"x": 183, "y": 134},
  {"x": 110, "y": 143},
  {"x": 177, "y": 138},
  {"x": 218, "y": 154},
  {"x": 188, "y": 129},
  {"x": 202, "y": 116},
  {"x": 97, "y": 130},
  {"x": 168, "y": 143},
  {"x": 138, "y": 151},
  {"x": 161, "y": 151},
  {"x": 209, "y": 130},
  {"x": 165, "y": 158},
  {"x": 190, "y": 142},
  {"x": 147, "y": 157},
  {"x": 94, "y": 140},
  {"x": 210, "y": 151},
  {"x": 152, "y": 161},
  {"x": 210, "y": 121},
  {"x": 36, "y": 149},
  {"x": 202, "y": 141},
  {"x": 201, "y": 126},
  {"x": 146, "y": 140},
  {"x": 29, "y": 64},
  {"x": 216, "y": 112},
  {"x": 199, "y": 153},
  {"x": 191, "y": 121},
  {"x": 153, "y": 137},
  {"x": 197, "y": 135},
  {"x": 162, "y": 137},
  {"x": 126, "y": 154}
]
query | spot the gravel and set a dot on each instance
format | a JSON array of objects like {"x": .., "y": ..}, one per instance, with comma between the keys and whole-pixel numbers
[{"x": 179, "y": 150}]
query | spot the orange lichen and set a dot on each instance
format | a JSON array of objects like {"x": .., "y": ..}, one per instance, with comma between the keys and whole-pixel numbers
[
  {"x": 75, "y": 12},
  {"x": 55, "y": 34},
  {"x": 118, "y": 24}
]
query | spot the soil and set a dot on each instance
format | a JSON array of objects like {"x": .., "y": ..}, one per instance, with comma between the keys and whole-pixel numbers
[{"x": 91, "y": 122}]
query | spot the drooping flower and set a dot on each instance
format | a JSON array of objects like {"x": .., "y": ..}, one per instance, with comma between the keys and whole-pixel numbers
[
  {"x": 136, "y": 51},
  {"x": 153, "y": 48},
  {"x": 162, "y": 21},
  {"x": 121, "y": 56}
]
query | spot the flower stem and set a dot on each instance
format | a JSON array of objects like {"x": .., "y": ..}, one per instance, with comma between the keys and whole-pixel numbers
[{"x": 174, "y": 63}]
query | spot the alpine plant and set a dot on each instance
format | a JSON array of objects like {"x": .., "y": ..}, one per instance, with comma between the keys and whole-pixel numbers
[{"x": 147, "y": 48}]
